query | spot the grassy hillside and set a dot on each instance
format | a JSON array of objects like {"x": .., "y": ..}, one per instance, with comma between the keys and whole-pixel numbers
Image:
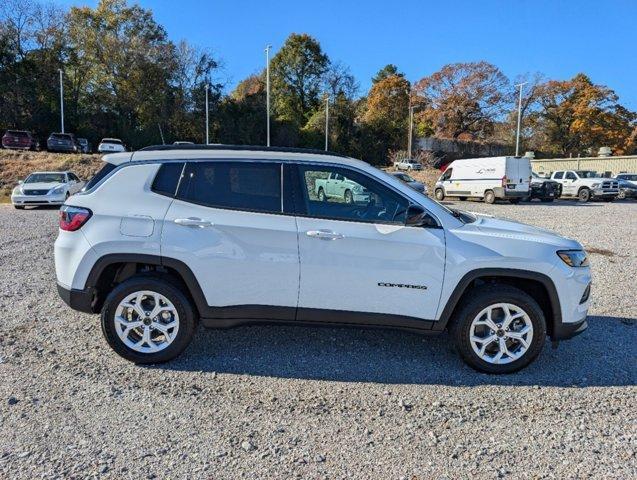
[{"x": 16, "y": 165}]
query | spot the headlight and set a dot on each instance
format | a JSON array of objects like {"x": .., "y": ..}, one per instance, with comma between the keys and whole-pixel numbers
[
  {"x": 358, "y": 189},
  {"x": 595, "y": 185},
  {"x": 17, "y": 191},
  {"x": 57, "y": 190},
  {"x": 574, "y": 258}
]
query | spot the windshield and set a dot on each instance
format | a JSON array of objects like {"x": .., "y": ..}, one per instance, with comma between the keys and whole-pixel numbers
[
  {"x": 45, "y": 178},
  {"x": 630, "y": 176},
  {"x": 587, "y": 174}
]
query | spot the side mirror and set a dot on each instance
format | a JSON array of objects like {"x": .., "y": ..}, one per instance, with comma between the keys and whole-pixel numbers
[{"x": 418, "y": 217}]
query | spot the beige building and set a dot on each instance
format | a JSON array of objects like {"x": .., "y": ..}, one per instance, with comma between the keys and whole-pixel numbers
[{"x": 602, "y": 165}]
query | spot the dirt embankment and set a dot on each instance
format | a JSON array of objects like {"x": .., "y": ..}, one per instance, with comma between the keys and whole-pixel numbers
[{"x": 16, "y": 165}]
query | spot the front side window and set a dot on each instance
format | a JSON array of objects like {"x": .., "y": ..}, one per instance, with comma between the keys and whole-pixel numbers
[
  {"x": 250, "y": 186},
  {"x": 340, "y": 194},
  {"x": 446, "y": 175}
]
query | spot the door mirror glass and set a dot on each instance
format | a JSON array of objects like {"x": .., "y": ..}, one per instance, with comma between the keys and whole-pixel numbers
[{"x": 417, "y": 216}]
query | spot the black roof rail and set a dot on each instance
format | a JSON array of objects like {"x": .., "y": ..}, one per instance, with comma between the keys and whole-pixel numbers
[{"x": 245, "y": 148}]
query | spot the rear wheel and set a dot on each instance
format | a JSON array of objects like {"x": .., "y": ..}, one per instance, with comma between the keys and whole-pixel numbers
[
  {"x": 321, "y": 195},
  {"x": 499, "y": 329},
  {"x": 584, "y": 195},
  {"x": 148, "y": 320},
  {"x": 440, "y": 194},
  {"x": 489, "y": 197}
]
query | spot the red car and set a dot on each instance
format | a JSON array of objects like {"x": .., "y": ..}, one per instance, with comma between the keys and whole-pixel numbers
[{"x": 19, "y": 140}]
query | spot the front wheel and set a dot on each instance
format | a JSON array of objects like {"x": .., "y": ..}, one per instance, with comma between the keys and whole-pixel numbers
[
  {"x": 349, "y": 198},
  {"x": 584, "y": 195},
  {"x": 439, "y": 194},
  {"x": 148, "y": 320},
  {"x": 321, "y": 195},
  {"x": 621, "y": 195},
  {"x": 499, "y": 329}
]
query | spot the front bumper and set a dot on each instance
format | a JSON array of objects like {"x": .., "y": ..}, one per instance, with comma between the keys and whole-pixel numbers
[
  {"x": 26, "y": 200},
  {"x": 599, "y": 193},
  {"x": 81, "y": 300}
]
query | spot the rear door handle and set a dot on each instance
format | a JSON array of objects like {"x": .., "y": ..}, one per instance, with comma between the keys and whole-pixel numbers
[
  {"x": 193, "y": 222},
  {"x": 324, "y": 234}
]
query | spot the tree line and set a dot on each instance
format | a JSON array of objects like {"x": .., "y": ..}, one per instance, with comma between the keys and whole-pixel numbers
[{"x": 124, "y": 77}]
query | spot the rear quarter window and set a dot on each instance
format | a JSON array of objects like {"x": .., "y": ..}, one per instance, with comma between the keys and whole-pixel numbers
[
  {"x": 167, "y": 179},
  {"x": 102, "y": 172}
]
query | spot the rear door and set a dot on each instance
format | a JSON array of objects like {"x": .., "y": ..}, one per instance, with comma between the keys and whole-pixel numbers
[
  {"x": 227, "y": 226},
  {"x": 360, "y": 257}
]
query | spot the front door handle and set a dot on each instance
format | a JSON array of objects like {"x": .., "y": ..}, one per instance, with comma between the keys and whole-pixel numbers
[
  {"x": 324, "y": 234},
  {"x": 193, "y": 222}
]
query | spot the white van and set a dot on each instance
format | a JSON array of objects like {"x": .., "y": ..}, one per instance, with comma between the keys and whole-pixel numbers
[{"x": 488, "y": 178}]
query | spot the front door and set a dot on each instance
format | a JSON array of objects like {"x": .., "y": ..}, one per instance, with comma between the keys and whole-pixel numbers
[
  {"x": 360, "y": 257},
  {"x": 226, "y": 225}
]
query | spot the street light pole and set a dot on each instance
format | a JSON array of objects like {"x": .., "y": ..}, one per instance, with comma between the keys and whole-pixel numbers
[
  {"x": 61, "y": 102},
  {"x": 327, "y": 120},
  {"x": 267, "y": 90},
  {"x": 517, "y": 136},
  {"x": 207, "y": 129}
]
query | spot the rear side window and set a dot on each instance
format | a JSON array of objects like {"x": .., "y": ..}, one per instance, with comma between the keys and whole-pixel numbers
[
  {"x": 105, "y": 170},
  {"x": 247, "y": 186},
  {"x": 167, "y": 179}
]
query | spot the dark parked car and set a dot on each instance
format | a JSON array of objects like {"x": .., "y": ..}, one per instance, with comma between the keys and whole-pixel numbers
[
  {"x": 85, "y": 146},
  {"x": 543, "y": 188},
  {"x": 627, "y": 185},
  {"x": 19, "y": 140},
  {"x": 62, "y": 142}
]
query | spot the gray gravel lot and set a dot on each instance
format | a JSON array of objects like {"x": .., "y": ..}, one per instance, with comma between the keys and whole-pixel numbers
[{"x": 281, "y": 402}]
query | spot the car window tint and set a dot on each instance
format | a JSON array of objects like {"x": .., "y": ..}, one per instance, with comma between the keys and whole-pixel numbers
[
  {"x": 352, "y": 196},
  {"x": 105, "y": 170},
  {"x": 251, "y": 186},
  {"x": 559, "y": 175},
  {"x": 570, "y": 176},
  {"x": 167, "y": 179},
  {"x": 447, "y": 174}
]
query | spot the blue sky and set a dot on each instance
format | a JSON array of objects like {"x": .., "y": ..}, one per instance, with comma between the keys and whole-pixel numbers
[{"x": 557, "y": 38}]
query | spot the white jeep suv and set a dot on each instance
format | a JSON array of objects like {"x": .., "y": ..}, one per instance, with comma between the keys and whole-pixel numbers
[{"x": 171, "y": 236}]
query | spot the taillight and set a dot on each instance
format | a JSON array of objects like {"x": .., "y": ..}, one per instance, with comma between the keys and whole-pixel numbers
[
  {"x": 504, "y": 181},
  {"x": 72, "y": 218}
]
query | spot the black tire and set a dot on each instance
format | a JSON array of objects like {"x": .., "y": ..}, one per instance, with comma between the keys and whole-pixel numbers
[
  {"x": 19, "y": 207},
  {"x": 439, "y": 194},
  {"x": 584, "y": 195},
  {"x": 481, "y": 298},
  {"x": 514, "y": 201},
  {"x": 187, "y": 319},
  {"x": 349, "y": 198},
  {"x": 321, "y": 195},
  {"x": 546, "y": 200},
  {"x": 621, "y": 195},
  {"x": 489, "y": 197}
]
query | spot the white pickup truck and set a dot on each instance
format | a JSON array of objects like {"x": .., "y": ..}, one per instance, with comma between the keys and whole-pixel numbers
[
  {"x": 586, "y": 185},
  {"x": 338, "y": 187},
  {"x": 407, "y": 164}
]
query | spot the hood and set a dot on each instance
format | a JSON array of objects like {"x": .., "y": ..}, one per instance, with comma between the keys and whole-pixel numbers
[
  {"x": 509, "y": 229},
  {"x": 40, "y": 185}
]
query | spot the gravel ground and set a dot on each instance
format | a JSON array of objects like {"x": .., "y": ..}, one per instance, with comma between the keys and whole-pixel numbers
[{"x": 281, "y": 402}]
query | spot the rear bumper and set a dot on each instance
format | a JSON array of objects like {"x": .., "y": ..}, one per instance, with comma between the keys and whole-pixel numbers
[
  {"x": 501, "y": 192},
  {"x": 81, "y": 300},
  {"x": 564, "y": 331}
]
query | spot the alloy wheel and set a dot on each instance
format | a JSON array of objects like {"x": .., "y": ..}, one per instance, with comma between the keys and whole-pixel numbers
[
  {"x": 501, "y": 333},
  {"x": 146, "y": 321}
]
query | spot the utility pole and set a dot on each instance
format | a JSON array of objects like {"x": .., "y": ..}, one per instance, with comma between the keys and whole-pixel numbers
[
  {"x": 327, "y": 120},
  {"x": 207, "y": 129},
  {"x": 267, "y": 90},
  {"x": 61, "y": 102},
  {"x": 517, "y": 136}
]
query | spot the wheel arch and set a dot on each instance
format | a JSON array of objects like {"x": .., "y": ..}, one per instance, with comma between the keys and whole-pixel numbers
[
  {"x": 537, "y": 285},
  {"x": 112, "y": 269}
]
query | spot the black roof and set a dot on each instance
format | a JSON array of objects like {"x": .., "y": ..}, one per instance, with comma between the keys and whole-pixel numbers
[{"x": 245, "y": 148}]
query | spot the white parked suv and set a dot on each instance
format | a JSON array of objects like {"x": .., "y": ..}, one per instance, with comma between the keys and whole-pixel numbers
[
  {"x": 171, "y": 236},
  {"x": 111, "y": 145},
  {"x": 45, "y": 188},
  {"x": 407, "y": 164}
]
